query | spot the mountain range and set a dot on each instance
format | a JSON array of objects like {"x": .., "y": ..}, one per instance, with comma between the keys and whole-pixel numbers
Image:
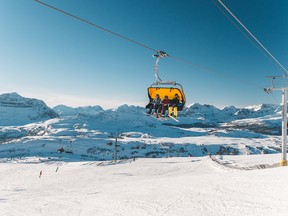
[
  {"x": 28, "y": 128},
  {"x": 18, "y": 110}
]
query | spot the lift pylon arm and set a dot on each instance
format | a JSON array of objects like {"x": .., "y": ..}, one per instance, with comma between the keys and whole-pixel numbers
[{"x": 158, "y": 56}]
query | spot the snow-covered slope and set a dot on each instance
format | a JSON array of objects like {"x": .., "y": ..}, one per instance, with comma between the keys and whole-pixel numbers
[
  {"x": 256, "y": 111},
  {"x": 229, "y": 113},
  {"x": 202, "y": 129},
  {"x": 142, "y": 136},
  {"x": 63, "y": 110},
  {"x": 194, "y": 186},
  {"x": 18, "y": 110}
]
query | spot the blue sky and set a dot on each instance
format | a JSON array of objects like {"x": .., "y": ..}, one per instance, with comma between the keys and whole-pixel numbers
[{"x": 53, "y": 57}]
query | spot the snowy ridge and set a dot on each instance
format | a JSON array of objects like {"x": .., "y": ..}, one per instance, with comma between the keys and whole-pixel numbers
[
  {"x": 229, "y": 113},
  {"x": 17, "y": 110},
  {"x": 87, "y": 137},
  {"x": 202, "y": 129},
  {"x": 63, "y": 110},
  {"x": 195, "y": 111}
]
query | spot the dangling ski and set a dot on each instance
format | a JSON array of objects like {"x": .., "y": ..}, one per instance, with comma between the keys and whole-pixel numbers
[
  {"x": 154, "y": 116},
  {"x": 172, "y": 117}
]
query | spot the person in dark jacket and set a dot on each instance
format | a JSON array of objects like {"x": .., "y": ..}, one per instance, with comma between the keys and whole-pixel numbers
[
  {"x": 173, "y": 108},
  {"x": 155, "y": 104}
]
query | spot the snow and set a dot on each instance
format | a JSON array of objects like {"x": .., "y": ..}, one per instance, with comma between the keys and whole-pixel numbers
[
  {"x": 166, "y": 186},
  {"x": 17, "y": 110},
  {"x": 68, "y": 111},
  {"x": 212, "y": 162}
]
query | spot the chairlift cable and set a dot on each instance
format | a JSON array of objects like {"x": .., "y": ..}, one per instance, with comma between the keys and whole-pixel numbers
[
  {"x": 249, "y": 38},
  {"x": 222, "y": 74},
  {"x": 143, "y": 45},
  {"x": 241, "y": 30},
  {"x": 215, "y": 72},
  {"x": 97, "y": 26},
  {"x": 247, "y": 30}
]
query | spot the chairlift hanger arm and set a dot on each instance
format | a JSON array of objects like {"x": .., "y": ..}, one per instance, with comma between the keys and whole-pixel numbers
[{"x": 158, "y": 56}]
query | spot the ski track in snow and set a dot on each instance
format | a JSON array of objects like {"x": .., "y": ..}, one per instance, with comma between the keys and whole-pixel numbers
[{"x": 154, "y": 187}]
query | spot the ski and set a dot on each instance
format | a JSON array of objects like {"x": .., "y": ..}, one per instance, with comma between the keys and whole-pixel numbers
[
  {"x": 172, "y": 117},
  {"x": 153, "y": 116}
]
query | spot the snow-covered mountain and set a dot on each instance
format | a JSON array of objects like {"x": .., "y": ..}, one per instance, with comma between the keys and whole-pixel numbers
[
  {"x": 256, "y": 111},
  {"x": 18, "y": 110},
  {"x": 229, "y": 113},
  {"x": 201, "y": 129},
  {"x": 63, "y": 110},
  {"x": 199, "y": 110}
]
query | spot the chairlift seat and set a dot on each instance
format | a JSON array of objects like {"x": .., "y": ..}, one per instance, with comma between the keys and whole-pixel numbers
[{"x": 167, "y": 91}]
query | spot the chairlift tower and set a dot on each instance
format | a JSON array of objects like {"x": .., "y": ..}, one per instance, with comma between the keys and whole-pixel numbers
[
  {"x": 168, "y": 147},
  {"x": 116, "y": 137},
  {"x": 280, "y": 83}
]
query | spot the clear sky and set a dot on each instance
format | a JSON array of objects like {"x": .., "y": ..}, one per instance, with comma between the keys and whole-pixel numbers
[{"x": 47, "y": 55}]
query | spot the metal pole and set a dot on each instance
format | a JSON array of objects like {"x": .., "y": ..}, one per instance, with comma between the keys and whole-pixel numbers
[
  {"x": 117, "y": 136},
  {"x": 283, "y": 162},
  {"x": 115, "y": 150}
]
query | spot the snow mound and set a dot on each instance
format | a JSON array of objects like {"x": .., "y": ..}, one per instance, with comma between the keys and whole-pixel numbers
[{"x": 18, "y": 110}]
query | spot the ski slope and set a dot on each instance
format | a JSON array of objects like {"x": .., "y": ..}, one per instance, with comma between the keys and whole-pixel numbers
[{"x": 153, "y": 187}]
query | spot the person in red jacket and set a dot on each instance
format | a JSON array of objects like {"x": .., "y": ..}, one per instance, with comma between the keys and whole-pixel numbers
[{"x": 165, "y": 104}]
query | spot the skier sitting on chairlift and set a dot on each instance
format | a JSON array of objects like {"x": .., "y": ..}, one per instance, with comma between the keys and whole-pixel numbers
[
  {"x": 173, "y": 108},
  {"x": 154, "y": 104},
  {"x": 165, "y": 104}
]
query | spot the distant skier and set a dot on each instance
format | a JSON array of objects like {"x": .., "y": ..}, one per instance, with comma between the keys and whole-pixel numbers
[{"x": 40, "y": 174}]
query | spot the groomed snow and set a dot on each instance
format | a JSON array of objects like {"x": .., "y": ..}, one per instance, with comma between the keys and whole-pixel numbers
[{"x": 163, "y": 186}]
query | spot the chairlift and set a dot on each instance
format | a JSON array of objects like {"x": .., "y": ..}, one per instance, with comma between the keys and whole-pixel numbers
[{"x": 165, "y": 88}]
